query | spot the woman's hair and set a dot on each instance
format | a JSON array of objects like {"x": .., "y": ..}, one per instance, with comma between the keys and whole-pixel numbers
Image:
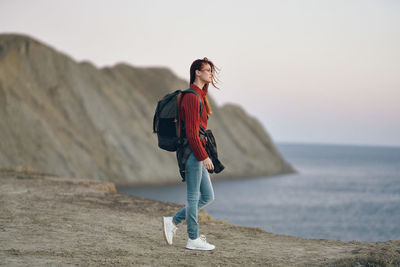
[{"x": 198, "y": 65}]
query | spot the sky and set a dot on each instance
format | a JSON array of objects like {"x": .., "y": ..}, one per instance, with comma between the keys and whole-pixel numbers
[{"x": 310, "y": 71}]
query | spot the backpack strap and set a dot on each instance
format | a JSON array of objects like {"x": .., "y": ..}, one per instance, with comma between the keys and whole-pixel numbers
[
  {"x": 201, "y": 104},
  {"x": 189, "y": 90}
]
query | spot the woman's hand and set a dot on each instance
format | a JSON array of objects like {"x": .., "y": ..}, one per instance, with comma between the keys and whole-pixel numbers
[{"x": 208, "y": 163}]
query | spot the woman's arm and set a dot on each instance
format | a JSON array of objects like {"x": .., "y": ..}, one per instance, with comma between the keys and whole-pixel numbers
[{"x": 191, "y": 105}]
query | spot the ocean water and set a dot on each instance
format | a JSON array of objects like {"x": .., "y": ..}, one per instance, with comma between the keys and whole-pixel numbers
[{"x": 341, "y": 192}]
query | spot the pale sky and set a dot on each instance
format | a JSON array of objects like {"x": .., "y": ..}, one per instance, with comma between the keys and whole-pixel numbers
[{"x": 310, "y": 71}]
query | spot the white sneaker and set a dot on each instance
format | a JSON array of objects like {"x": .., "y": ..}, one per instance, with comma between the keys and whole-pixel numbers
[
  {"x": 199, "y": 243},
  {"x": 169, "y": 229}
]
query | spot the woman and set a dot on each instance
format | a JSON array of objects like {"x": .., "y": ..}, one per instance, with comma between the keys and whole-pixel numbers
[{"x": 198, "y": 183}]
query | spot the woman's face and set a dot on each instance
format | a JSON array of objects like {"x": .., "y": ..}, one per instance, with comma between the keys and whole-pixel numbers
[{"x": 205, "y": 73}]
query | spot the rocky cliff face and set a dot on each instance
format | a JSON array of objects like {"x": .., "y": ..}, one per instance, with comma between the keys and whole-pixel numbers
[{"x": 70, "y": 118}]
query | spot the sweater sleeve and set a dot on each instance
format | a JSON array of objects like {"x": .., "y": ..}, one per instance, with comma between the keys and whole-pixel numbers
[{"x": 191, "y": 106}]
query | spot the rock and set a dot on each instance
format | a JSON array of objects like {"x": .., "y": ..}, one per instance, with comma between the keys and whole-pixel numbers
[{"x": 72, "y": 119}]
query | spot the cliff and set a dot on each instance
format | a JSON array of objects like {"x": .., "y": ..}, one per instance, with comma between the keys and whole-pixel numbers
[
  {"x": 73, "y": 119},
  {"x": 57, "y": 221}
]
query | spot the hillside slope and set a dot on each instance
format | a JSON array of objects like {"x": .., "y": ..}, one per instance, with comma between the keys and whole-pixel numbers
[{"x": 71, "y": 118}]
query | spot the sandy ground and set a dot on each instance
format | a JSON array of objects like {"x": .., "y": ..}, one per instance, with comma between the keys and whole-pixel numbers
[{"x": 47, "y": 220}]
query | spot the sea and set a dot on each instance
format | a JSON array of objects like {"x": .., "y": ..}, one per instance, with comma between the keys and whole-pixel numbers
[{"x": 341, "y": 192}]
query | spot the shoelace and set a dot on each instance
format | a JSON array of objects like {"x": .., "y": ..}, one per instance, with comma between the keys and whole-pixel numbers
[
  {"x": 203, "y": 237},
  {"x": 174, "y": 230}
]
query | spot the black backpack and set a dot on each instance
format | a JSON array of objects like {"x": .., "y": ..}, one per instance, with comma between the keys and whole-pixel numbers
[{"x": 166, "y": 121}]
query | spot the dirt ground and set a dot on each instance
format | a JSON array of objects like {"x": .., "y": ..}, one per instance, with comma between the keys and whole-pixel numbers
[{"x": 47, "y": 220}]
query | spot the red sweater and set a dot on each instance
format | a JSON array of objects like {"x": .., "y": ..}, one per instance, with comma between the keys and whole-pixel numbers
[{"x": 189, "y": 114}]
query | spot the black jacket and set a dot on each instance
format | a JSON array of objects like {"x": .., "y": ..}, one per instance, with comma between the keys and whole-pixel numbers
[{"x": 184, "y": 150}]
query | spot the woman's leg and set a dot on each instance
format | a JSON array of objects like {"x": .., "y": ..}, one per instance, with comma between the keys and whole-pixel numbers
[
  {"x": 206, "y": 189},
  {"x": 206, "y": 197},
  {"x": 193, "y": 180},
  {"x": 193, "y": 191}
]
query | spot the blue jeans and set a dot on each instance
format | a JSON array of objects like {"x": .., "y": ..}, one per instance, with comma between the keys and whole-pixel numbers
[{"x": 199, "y": 193}]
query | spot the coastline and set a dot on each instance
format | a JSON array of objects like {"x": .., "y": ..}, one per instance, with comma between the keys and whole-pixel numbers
[
  {"x": 46, "y": 219},
  {"x": 214, "y": 177}
]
